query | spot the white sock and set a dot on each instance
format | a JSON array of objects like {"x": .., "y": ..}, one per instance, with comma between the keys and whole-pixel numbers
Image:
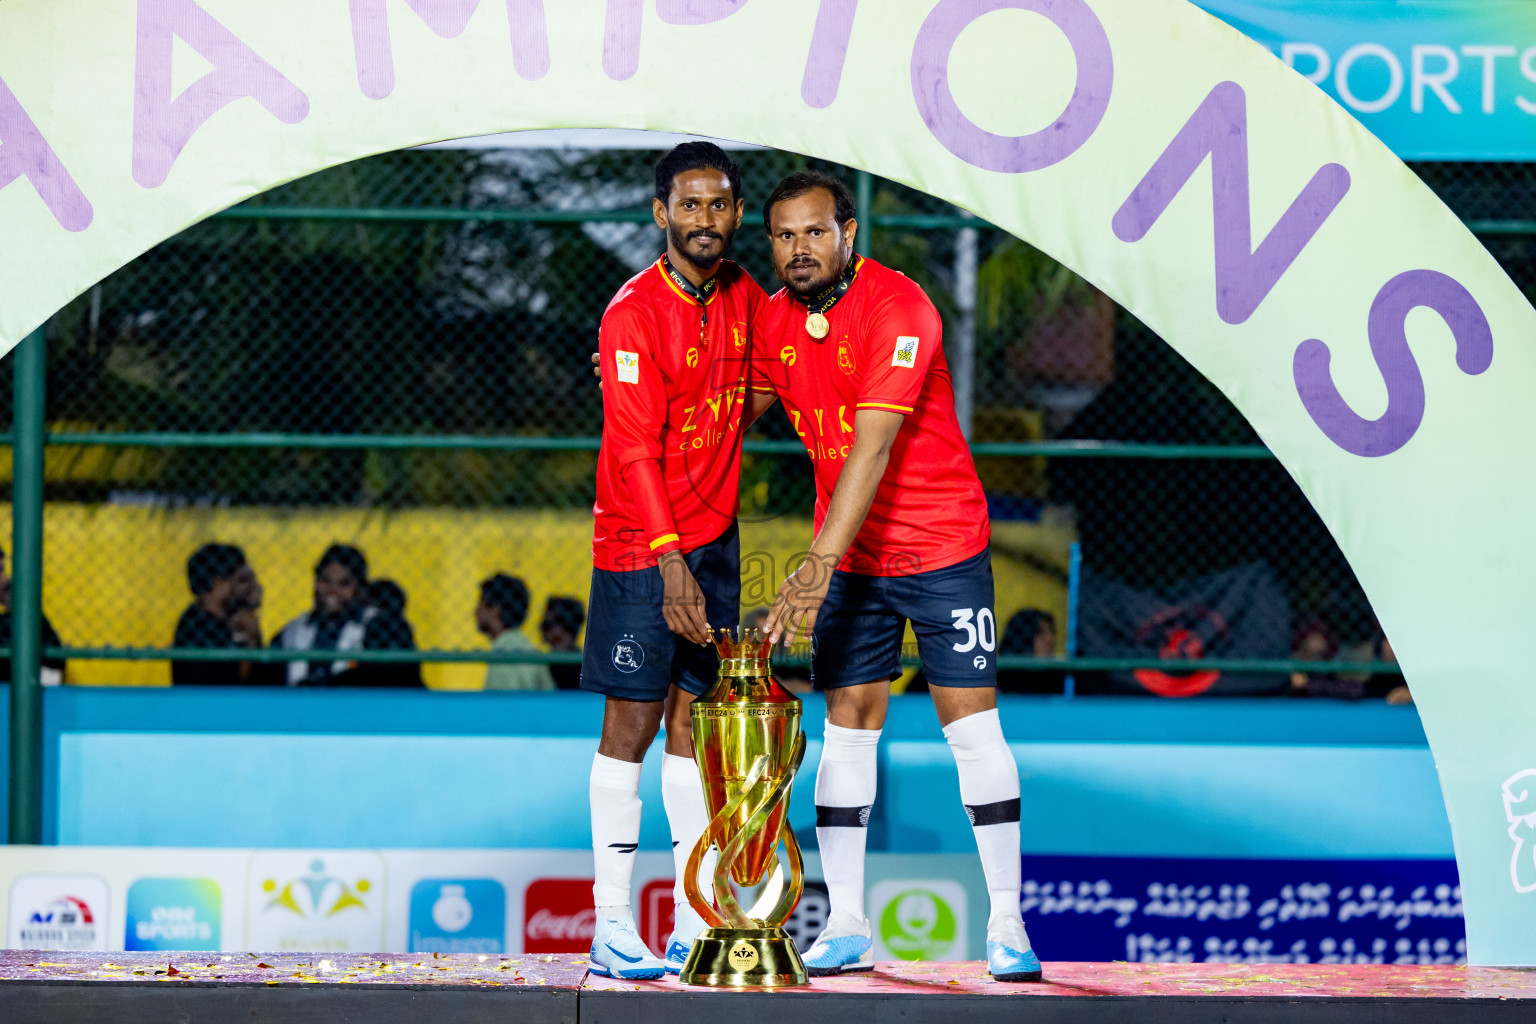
[
  {"x": 989, "y": 787},
  {"x": 682, "y": 792},
  {"x": 845, "y": 792},
  {"x": 615, "y": 796}
]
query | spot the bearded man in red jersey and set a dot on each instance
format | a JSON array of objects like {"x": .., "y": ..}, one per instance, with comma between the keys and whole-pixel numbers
[
  {"x": 854, "y": 350},
  {"x": 674, "y": 345}
]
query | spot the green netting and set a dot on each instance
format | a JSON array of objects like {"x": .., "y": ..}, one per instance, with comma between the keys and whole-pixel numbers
[{"x": 407, "y": 337}]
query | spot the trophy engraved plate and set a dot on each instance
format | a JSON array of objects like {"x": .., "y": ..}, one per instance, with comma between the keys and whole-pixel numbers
[{"x": 748, "y": 745}]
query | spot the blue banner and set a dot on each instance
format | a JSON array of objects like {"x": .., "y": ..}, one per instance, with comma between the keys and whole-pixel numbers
[
  {"x": 1167, "y": 910},
  {"x": 1434, "y": 80}
]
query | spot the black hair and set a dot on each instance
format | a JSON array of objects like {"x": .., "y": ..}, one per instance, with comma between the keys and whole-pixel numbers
[
  {"x": 509, "y": 596},
  {"x": 565, "y": 612},
  {"x": 211, "y": 563},
  {"x": 387, "y": 596},
  {"x": 1023, "y": 627},
  {"x": 695, "y": 156},
  {"x": 798, "y": 184},
  {"x": 349, "y": 558}
]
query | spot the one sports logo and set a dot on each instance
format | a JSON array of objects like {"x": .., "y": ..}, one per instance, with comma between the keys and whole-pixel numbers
[
  {"x": 628, "y": 366},
  {"x": 906, "y": 353},
  {"x": 787, "y": 355},
  {"x": 692, "y": 357},
  {"x": 628, "y": 655}
]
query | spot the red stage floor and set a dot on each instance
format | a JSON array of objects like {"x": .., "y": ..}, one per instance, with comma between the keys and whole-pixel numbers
[{"x": 210, "y": 988}]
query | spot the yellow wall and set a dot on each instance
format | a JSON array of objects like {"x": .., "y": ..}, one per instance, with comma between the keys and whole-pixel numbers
[{"x": 116, "y": 575}]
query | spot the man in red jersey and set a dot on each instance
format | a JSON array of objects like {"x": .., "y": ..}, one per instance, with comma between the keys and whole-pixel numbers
[
  {"x": 666, "y": 559},
  {"x": 855, "y": 352}
]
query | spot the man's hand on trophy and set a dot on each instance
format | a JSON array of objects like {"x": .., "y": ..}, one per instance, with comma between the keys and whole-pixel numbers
[
  {"x": 682, "y": 602},
  {"x": 799, "y": 600}
]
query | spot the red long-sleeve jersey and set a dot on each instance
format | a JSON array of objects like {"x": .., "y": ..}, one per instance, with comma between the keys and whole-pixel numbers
[{"x": 674, "y": 388}]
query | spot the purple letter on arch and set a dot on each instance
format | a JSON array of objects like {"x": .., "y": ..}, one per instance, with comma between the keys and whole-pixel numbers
[
  {"x": 621, "y": 32},
  {"x": 25, "y": 153},
  {"x": 829, "y": 49},
  {"x": 1010, "y": 154},
  {"x": 1219, "y": 129},
  {"x": 1389, "y": 347},
  {"x": 447, "y": 19},
  {"x": 163, "y": 126}
]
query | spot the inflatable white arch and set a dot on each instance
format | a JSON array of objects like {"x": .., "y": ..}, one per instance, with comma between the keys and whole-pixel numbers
[{"x": 1372, "y": 342}]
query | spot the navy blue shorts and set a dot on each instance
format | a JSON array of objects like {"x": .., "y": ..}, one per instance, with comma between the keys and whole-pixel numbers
[
  {"x": 630, "y": 653},
  {"x": 861, "y": 624}
]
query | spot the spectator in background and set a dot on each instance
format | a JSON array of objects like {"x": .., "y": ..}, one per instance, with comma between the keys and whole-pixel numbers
[
  {"x": 392, "y": 632},
  {"x": 226, "y": 597},
  {"x": 53, "y": 668},
  {"x": 1031, "y": 633},
  {"x": 559, "y": 629},
  {"x": 500, "y": 615},
  {"x": 1315, "y": 640},
  {"x": 1391, "y": 687},
  {"x": 342, "y": 620}
]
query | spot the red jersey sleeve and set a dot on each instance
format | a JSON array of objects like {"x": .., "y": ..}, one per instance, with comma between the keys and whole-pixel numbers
[
  {"x": 759, "y": 373},
  {"x": 634, "y": 397},
  {"x": 901, "y": 338}
]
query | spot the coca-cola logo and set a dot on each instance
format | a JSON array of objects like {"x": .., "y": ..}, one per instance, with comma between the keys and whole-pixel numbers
[{"x": 558, "y": 916}]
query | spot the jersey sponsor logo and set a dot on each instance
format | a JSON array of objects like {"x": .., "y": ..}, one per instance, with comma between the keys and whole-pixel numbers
[
  {"x": 906, "y": 352},
  {"x": 787, "y": 355},
  {"x": 628, "y": 655},
  {"x": 628, "y": 366},
  {"x": 692, "y": 358}
]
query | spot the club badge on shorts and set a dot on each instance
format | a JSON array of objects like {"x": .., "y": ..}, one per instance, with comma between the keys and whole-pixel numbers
[{"x": 628, "y": 655}]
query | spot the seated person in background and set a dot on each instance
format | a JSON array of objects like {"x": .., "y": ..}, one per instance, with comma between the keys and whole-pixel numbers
[
  {"x": 1391, "y": 687},
  {"x": 392, "y": 632},
  {"x": 1315, "y": 640},
  {"x": 1031, "y": 633},
  {"x": 53, "y": 668},
  {"x": 561, "y": 625},
  {"x": 500, "y": 615},
  {"x": 225, "y": 598},
  {"x": 342, "y": 620}
]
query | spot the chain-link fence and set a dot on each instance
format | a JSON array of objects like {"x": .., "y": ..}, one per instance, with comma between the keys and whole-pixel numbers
[{"x": 393, "y": 354}]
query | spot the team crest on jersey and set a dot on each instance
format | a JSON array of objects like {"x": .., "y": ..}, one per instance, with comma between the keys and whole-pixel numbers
[
  {"x": 906, "y": 353},
  {"x": 628, "y": 366},
  {"x": 845, "y": 360},
  {"x": 739, "y": 334},
  {"x": 787, "y": 355},
  {"x": 692, "y": 357}
]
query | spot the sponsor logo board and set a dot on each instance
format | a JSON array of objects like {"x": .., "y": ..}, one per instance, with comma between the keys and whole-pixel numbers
[
  {"x": 58, "y": 911},
  {"x": 919, "y": 919},
  {"x": 458, "y": 915},
  {"x": 174, "y": 913},
  {"x": 329, "y": 901},
  {"x": 558, "y": 916}
]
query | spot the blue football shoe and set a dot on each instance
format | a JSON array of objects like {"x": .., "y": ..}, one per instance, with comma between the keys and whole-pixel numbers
[
  {"x": 1009, "y": 957},
  {"x": 618, "y": 952},
  {"x": 844, "y": 945},
  {"x": 686, "y": 926}
]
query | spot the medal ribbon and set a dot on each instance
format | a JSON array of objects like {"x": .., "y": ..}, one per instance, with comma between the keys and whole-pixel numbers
[
  {"x": 699, "y": 295},
  {"x": 829, "y": 298}
]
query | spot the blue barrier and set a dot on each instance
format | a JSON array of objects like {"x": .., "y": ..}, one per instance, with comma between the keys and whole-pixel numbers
[{"x": 1101, "y": 776}]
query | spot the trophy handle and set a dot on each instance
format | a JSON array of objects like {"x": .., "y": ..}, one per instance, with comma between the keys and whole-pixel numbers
[
  {"x": 733, "y": 916},
  {"x": 723, "y": 892}
]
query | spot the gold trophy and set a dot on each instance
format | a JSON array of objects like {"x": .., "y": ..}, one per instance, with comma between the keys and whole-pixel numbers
[{"x": 748, "y": 744}]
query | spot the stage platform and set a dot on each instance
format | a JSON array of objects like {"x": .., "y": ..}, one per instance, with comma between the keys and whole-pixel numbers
[{"x": 223, "y": 988}]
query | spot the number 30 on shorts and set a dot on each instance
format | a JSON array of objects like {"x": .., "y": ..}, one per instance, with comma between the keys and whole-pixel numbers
[{"x": 979, "y": 627}]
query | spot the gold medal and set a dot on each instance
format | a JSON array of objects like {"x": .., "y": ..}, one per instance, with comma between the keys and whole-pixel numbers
[{"x": 816, "y": 326}]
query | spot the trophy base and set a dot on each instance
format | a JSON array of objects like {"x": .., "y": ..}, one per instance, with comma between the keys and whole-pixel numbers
[{"x": 744, "y": 958}]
